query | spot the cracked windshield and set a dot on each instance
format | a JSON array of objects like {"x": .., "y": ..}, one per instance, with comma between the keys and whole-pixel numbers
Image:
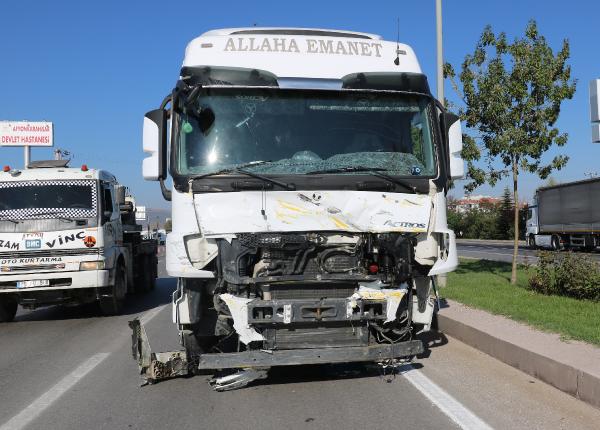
[{"x": 293, "y": 132}]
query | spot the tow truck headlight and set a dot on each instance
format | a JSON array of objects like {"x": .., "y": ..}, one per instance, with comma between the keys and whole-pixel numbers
[{"x": 91, "y": 265}]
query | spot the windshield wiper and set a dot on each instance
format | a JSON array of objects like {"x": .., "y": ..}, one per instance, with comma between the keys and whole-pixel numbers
[
  {"x": 11, "y": 220},
  {"x": 240, "y": 169},
  {"x": 58, "y": 216},
  {"x": 347, "y": 169},
  {"x": 374, "y": 171}
]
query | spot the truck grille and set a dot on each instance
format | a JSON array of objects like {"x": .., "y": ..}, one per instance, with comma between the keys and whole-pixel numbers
[
  {"x": 51, "y": 253},
  {"x": 32, "y": 267},
  {"x": 331, "y": 291}
]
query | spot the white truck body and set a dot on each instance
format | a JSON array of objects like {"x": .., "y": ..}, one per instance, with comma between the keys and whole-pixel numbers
[
  {"x": 253, "y": 174},
  {"x": 62, "y": 237}
]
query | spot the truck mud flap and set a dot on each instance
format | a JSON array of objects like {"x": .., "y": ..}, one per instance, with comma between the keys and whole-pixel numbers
[{"x": 155, "y": 366}]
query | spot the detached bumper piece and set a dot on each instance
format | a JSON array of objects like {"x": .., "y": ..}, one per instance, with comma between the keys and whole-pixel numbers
[{"x": 155, "y": 366}]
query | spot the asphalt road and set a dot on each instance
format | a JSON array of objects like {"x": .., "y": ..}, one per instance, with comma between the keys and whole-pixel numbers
[
  {"x": 70, "y": 368},
  {"x": 502, "y": 251}
]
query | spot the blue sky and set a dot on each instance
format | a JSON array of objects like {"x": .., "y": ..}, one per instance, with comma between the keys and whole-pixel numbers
[{"x": 95, "y": 68}]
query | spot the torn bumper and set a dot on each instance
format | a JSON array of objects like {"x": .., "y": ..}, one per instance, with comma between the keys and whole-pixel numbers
[
  {"x": 296, "y": 357},
  {"x": 163, "y": 365}
]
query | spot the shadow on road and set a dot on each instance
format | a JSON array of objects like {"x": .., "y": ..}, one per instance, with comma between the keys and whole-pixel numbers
[
  {"x": 320, "y": 372},
  {"x": 134, "y": 304},
  {"x": 431, "y": 339}
]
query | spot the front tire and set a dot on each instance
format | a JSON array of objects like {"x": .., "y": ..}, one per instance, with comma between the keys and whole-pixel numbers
[
  {"x": 555, "y": 242},
  {"x": 194, "y": 348},
  {"x": 113, "y": 304},
  {"x": 8, "y": 308},
  {"x": 531, "y": 241}
]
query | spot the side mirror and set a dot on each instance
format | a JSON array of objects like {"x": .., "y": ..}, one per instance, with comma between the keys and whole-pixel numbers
[
  {"x": 455, "y": 146},
  {"x": 155, "y": 143},
  {"x": 120, "y": 194}
]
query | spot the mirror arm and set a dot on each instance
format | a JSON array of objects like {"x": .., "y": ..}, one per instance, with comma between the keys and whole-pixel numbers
[
  {"x": 164, "y": 190},
  {"x": 166, "y": 101}
]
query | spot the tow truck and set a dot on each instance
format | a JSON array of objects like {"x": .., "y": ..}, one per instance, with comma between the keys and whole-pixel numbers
[{"x": 69, "y": 236}]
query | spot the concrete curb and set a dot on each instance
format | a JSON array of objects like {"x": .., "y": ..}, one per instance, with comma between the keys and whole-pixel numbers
[{"x": 559, "y": 372}]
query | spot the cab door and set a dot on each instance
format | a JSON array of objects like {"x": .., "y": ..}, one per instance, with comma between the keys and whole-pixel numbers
[{"x": 112, "y": 230}]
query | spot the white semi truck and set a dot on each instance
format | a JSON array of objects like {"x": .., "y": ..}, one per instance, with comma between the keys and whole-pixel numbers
[
  {"x": 565, "y": 216},
  {"x": 310, "y": 169},
  {"x": 68, "y": 236}
]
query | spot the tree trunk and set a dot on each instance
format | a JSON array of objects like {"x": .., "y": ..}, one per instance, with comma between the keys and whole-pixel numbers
[{"x": 513, "y": 276}]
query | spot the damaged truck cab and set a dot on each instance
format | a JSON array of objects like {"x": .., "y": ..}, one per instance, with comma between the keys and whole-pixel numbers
[{"x": 310, "y": 171}]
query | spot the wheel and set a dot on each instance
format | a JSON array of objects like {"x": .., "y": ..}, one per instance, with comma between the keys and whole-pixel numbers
[
  {"x": 555, "y": 243},
  {"x": 193, "y": 351},
  {"x": 8, "y": 308},
  {"x": 531, "y": 241},
  {"x": 146, "y": 280},
  {"x": 153, "y": 262},
  {"x": 113, "y": 305}
]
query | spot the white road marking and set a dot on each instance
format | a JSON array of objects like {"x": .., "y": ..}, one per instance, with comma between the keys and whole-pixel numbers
[
  {"x": 458, "y": 413},
  {"x": 40, "y": 404},
  {"x": 148, "y": 316}
]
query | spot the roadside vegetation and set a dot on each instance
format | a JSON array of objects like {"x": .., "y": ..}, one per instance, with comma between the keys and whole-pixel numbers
[
  {"x": 509, "y": 96},
  {"x": 490, "y": 220},
  {"x": 566, "y": 274},
  {"x": 486, "y": 285}
]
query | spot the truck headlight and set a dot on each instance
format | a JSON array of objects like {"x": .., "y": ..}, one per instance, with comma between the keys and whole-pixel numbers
[{"x": 91, "y": 265}]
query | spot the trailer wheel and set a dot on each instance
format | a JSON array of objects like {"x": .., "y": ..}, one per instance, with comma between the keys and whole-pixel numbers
[
  {"x": 555, "y": 243},
  {"x": 147, "y": 279},
  {"x": 8, "y": 308},
  {"x": 153, "y": 260},
  {"x": 113, "y": 304}
]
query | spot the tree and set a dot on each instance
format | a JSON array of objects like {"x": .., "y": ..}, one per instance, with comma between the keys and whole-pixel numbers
[
  {"x": 505, "y": 226},
  {"x": 512, "y": 94}
]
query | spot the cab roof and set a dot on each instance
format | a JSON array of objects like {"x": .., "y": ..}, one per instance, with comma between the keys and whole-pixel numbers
[
  {"x": 53, "y": 173},
  {"x": 300, "y": 52}
]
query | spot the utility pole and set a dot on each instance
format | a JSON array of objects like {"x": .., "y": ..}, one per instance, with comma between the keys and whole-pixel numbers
[
  {"x": 27, "y": 156},
  {"x": 440, "y": 56}
]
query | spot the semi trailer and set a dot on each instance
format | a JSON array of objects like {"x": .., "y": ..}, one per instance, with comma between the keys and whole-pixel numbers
[
  {"x": 310, "y": 169},
  {"x": 565, "y": 216},
  {"x": 68, "y": 236}
]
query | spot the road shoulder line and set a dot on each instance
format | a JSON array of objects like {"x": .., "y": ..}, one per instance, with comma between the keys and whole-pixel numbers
[
  {"x": 570, "y": 367},
  {"x": 451, "y": 407},
  {"x": 39, "y": 405}
]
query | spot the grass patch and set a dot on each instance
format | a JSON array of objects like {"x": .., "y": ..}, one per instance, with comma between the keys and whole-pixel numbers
[{"x": 486, "y": 285}]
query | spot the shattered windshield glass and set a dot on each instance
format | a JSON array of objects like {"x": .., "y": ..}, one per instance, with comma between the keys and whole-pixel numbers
[{"x": 299, "y": 132}]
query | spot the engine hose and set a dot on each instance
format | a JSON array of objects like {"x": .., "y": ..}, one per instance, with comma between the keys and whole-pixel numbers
[
  {"x": 292, "y": 269},
  {"x": 302, "y": 263}
]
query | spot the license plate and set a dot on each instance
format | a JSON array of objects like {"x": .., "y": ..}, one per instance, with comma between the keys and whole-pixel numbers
[{"x": 33, "y": 283}]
